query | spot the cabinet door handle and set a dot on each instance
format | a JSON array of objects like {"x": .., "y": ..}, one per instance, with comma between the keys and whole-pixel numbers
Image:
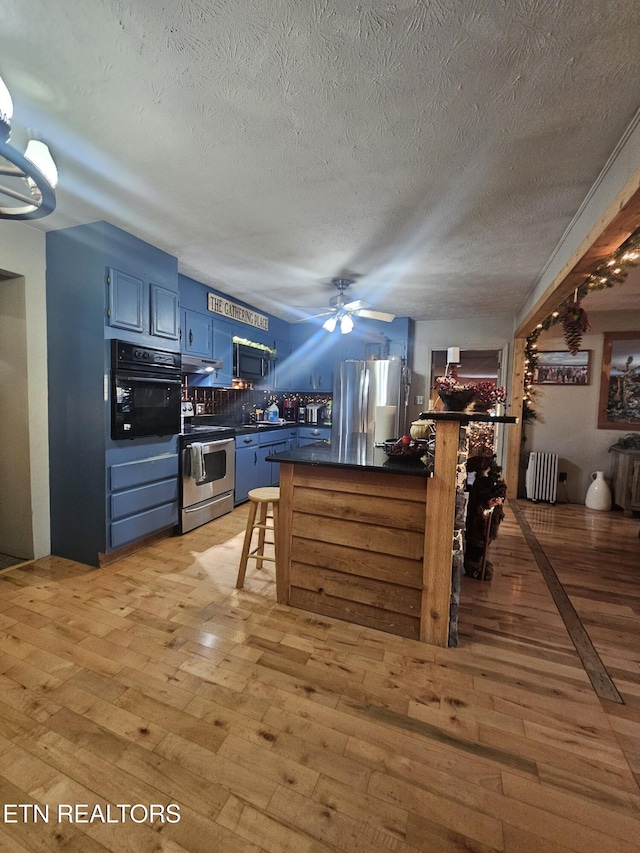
[
  {"x": 255, "y": 457},
  {"x": 190, "y": 336},
  {"x": 247, "y": 440}
]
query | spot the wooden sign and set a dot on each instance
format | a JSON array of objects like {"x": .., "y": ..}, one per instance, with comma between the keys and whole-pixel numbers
[{"x": 233, "y": 311}]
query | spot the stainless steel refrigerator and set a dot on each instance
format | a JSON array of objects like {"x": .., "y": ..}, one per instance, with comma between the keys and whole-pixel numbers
[{"x": 369, "y": 401}]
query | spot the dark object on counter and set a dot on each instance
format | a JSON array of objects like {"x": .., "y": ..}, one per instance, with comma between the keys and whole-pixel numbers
[
  {"x": 405, "y": 450},
  {"x": 290, "y": 410}
]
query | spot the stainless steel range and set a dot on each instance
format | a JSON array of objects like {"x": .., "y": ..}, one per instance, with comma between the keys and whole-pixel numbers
[{"x": 207, "y": 462}]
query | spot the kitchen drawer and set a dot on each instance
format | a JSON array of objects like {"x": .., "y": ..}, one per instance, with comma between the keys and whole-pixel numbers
[
  {"x": 129, "y": 474},
  {"x": 273, "y": 436},
  {"x": 243, "y": 441},
  {"x": 316, "y": 433},
  {"x": 142, "y": 498},
  {"x": 142, "y": 524}
]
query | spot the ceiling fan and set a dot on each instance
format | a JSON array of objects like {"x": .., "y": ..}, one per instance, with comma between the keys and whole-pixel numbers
[{"x": 341, "y": 312}]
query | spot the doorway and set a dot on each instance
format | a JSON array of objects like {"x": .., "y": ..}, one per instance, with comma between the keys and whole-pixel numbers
[
  {"x": 474, "y": 365},
  {"x": 16, "y": 525}
]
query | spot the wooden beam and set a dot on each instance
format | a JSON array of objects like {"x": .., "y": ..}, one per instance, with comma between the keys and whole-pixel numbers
[
  {"x": 438, "y": 538},
  {"x": 285, "y": 522},
  {"x": 619, "y": 221},
  {"x": 514, "y": 433}
]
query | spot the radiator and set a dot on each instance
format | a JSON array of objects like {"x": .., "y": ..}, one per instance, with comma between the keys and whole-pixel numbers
[{"x": 542, "y": 477}]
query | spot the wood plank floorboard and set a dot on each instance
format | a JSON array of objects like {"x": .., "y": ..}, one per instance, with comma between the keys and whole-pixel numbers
[{"x": 154, "y": 681}]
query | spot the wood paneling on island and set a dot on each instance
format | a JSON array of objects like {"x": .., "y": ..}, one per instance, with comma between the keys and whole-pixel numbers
[{"x": 355, "y": 543}]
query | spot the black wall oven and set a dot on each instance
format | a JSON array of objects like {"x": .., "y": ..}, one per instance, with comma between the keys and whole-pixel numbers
[{"x": 145, "y": 391}]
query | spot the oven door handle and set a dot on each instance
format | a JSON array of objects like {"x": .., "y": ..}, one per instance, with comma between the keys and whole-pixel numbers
[
  {"x": 208, "y": 446},
  {"x": 204, "y": 506},
  {"x": 138, "y": 378}
]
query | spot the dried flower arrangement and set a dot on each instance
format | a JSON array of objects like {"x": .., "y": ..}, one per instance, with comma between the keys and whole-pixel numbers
[
  {"x": 449, "y": 385},
  {"x": 484, "y": 394},
  {"x": 489, "y": 394}
]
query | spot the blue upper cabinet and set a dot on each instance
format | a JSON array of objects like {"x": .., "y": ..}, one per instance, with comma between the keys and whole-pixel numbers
[
  {"x": 141, "y": 283},
  {"x": 207, "y": 312},
  {"x": 197, "y": 334},
  {"x": 283, "y": 367},
  {"x": 164, "y": 312},
  {"x": 223, "y": 351},
  {"x": 125, "y": 301}
]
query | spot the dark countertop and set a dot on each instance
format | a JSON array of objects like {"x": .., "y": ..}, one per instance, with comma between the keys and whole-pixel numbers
[
  {"x": 247, "y": 429},
  {"x": 360, "y": 455}
]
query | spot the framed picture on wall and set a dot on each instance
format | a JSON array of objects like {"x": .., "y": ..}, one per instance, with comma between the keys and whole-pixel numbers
[
  {"x": 559, "y": 367},
  {"x": 620, "y": 382}
]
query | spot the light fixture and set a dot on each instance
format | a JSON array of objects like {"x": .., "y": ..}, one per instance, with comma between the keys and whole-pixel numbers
[
  {"x": 330, "y": 324},
  {"x": 346, "y": 324},
  {"x": 453, "y": 360},
  {"x": 34, "y": 170}
]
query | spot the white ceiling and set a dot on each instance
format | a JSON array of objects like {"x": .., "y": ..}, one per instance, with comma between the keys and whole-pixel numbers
[{"x": 437, "y": 150}]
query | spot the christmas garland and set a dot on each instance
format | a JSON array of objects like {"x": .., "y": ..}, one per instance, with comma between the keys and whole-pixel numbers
[{"x": 571, "y": 314}]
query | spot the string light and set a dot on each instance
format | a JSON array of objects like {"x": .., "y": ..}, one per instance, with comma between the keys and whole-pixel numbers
[{"x": 617, "y": 268}]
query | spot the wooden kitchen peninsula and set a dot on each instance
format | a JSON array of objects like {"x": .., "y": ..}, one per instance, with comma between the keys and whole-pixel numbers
[{"x": 367, "y": 539}]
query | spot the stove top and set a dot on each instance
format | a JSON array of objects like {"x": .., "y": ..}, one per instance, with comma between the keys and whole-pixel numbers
[{"x": 199, "y": 432}]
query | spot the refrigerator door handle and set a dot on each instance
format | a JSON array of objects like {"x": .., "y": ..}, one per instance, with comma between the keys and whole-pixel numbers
[{"x": 364, "y": 398}]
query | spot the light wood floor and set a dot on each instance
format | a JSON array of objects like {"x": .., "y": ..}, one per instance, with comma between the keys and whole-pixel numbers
[{"x": 154, "y": 681}]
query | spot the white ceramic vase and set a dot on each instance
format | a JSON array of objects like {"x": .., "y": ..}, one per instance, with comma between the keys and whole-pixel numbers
[{"x": 598, "y": 493}]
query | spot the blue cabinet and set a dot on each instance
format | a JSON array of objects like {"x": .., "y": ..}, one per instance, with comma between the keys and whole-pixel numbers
[
  {"x": 282, "y": 368},
  {"x": 103, "y": 283},
  {"x": 252, "y": 469},
  {"x": 125, "y": 301},
  {"x": 134, "y": 306},
  {"x": 143, "y": 495},
  {"x": 292, "y": 437},
  {"x": 223, "y": 350},
  {"x": 247, "y": 471},
  {"x": 197, "y": 334},
  {"x": 311, "y": 434},
  {"x": 164, "y": 312},
  {"x": 203, "y": 335},
  {"x": 273, "y": 441}
]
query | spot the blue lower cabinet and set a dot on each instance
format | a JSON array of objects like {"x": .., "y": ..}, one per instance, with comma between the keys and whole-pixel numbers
[
  {"x": 270, "y": 471},
  {"x": 143, "y": 498},
  {"x": 136, "y": 527},
  {"x": 292, "y": 438},
  {"x": 247, "y": 476},
  {"x": 252, "y": 469},
  {"x": 310, "y": 434},
  {"x": 132, "y": 500}
]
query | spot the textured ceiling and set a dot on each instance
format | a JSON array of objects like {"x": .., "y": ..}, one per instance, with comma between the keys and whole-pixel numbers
[{"x": 436, "y": 150}]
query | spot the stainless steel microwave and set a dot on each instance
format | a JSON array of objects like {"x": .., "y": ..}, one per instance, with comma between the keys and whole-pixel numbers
[{"x": 250, "y": 363}]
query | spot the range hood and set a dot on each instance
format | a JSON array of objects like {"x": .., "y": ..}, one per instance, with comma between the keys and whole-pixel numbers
[{"x": 196, "y": 364}]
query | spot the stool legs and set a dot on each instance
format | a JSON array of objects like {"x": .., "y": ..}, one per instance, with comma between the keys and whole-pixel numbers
[
  {"x": 246, "y": 545},
  {"x": 274, "y": 510},
  {"x": 262, "y": 522},
  {"x": 269, "y": 496}
]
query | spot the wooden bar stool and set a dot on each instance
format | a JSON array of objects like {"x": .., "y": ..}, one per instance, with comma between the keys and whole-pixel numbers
[{"x": 260, "y": 499}]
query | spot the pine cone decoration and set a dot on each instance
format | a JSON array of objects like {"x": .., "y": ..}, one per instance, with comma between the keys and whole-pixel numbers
[{"x": 574, "y": 323}]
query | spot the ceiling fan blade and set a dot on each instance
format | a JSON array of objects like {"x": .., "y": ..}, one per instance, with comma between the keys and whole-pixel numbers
[
  {"x": 374, "y": 315},
  {"x": 357, "y": 305},
  {"x": 315, "y": 316}
]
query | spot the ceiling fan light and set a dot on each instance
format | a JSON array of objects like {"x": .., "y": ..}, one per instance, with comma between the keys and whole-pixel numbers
[
  {"x": 346, "y": 324},
  {"x": 330, "y": 324},
  {"x": 6, "y": 111},
  {"x": 38, "y": 153}
]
